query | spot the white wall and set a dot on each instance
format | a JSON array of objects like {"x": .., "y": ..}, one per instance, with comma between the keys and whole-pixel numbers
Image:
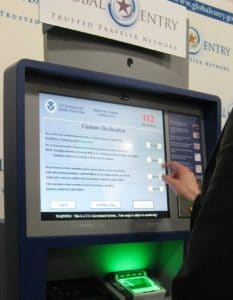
[{"x": 21, "y": 37}]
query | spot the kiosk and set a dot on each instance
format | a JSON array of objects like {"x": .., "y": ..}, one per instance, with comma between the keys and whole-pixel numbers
[{"x": 83, "y": 188}]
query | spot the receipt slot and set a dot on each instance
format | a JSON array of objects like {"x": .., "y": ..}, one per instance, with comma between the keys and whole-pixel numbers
[{"x": 134, "y": 284}]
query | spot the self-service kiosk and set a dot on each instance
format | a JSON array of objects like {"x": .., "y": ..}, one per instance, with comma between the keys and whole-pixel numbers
[{"x": 83, "y": 187}]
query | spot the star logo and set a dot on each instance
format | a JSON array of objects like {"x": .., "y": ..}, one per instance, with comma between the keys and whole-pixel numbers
[
  {"x": 194, "y": 40},
  {"x": 123, "y": 12},
  {"x": 123, "y": 6}
]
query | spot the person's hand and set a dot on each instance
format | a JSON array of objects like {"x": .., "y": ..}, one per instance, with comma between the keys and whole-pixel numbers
[{"x": 181, "y": 180}]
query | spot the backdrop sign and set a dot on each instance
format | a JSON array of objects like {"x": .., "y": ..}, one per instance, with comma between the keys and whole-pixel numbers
[
  {"x": 156, "y": 25},
  {"x": 211, "y": 49}
]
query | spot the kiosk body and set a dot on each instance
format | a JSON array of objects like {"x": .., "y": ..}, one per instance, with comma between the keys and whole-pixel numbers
[
  {"x": 33, "y": 241},
  {"x": 76, "y": 49}
]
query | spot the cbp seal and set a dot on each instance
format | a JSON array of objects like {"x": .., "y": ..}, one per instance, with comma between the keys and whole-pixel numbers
[
  {"x": 50, "y": 105},
  {"x": 123, "y": 12}
]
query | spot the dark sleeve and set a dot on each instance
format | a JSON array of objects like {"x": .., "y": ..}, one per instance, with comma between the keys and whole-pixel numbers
[
  {"x": 195, "y": 210},
  {"x": 209, "y": 260}
]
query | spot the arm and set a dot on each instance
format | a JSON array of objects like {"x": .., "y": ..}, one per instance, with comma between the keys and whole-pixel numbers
[{"x": 209, "y": 258}]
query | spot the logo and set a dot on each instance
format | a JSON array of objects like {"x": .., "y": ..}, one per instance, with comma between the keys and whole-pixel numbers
[
  {"x": 194, "y": 41},
  {"x": 206, "y": 52},
  {"x": 148, "y": 118},
  {"x": 51, "y": 105},
  {"x": 123, "y": 12}
]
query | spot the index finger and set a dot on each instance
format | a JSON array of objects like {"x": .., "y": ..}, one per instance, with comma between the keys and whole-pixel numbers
[{"x": 175, "y": 167}]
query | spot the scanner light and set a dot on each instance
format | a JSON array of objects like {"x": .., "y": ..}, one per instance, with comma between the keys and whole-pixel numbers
[{"x": 138, "y": 282}]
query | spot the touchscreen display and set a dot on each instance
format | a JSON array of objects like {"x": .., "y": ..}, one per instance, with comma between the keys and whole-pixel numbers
[
  {"x": 100, "y": 160},
  {"x": 185, "y": 136}
]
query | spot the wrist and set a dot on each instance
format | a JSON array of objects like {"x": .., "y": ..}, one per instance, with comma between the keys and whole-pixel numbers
[{"x": 193, "y": 196}]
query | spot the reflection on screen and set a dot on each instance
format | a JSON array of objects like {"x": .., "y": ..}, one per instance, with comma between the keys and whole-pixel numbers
[{"x": 100, "y": 160}]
